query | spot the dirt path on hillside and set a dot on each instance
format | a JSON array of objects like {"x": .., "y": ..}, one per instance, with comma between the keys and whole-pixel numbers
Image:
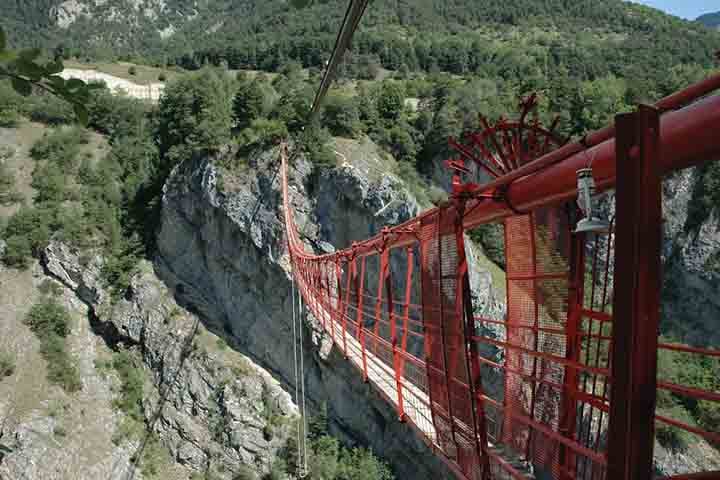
[{"x": 117, "y": 85}]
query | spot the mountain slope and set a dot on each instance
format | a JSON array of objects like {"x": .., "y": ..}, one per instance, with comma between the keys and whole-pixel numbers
[
  {"x": 513, "y": 39},
  {"x": 711, "y": 20}
]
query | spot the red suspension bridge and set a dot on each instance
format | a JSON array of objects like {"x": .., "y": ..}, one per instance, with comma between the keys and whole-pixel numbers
[{"x": 575, "y": 357}]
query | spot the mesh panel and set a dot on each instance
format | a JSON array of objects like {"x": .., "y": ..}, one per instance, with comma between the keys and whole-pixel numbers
[
  {"x": 446, "y": 355},
  {"x": 537, "y": 282}
]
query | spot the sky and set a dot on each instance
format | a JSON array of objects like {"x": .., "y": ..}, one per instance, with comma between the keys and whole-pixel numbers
[{"x": 690, "y": 9}]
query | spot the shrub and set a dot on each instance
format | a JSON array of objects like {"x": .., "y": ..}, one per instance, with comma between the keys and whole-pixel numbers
[
  {"x": 10, "y": 102},
  {"x": 9, "y": 117},
  {"x": 245, "y": 473},
  {"x": 132, "y": 70},
  {"x": 50, "y": 185},
  {"x": 60, "y": 146},
  {"x": 27, "y": 233},
  {"x": 7, "y": 364},
  {"x": 670, "y": 436},
  {"x": 8, "y": 194},
  {"x": 491, "y": 237},
  {"x": 263, "y": 133},
  {"x": 414, "y": 182},
  {"x": 17, "y": 252},
  {"x": 154, "y": 457},
  {"x": 50, "y": 322},
  {"x": 50, "y": 287},
  {"x": 131, "y": 389},
  {"x": 162, "y": 77},
  {"x": 342, "y": 115},
  {"x": 315, "y": 142},
  {"x": 50, "y": 110}
]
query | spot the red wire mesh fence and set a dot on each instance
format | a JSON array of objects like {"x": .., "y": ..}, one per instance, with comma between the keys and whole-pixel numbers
[{"x": 527, "y": 395}]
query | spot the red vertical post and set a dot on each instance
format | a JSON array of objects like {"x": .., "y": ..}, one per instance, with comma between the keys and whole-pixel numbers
[
  {"x": 384, "y": 258},
  {"x": 338, "y": 290},
  {"x": 568, "y": 412},
  {"x": 328, "y": 295},
  {"x": 636, "y": 306},
  {"x": 361, "y": 319},
  {"x": 393, "y": 333},
  {"x": 400, "y": 363},
  {"x": 408, "y": 299},
  {"x": 350, "y": 278},
  {"x": 464, "y": 311}
]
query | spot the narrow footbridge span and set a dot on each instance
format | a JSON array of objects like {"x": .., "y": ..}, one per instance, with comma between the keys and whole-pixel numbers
[{"x": 564, "y": 384}]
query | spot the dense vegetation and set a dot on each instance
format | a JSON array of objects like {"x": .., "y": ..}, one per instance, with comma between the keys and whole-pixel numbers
[
  {"x": 509, "y": 39},
  {"x": 687, "y": 369},
  {"x": 328, "y": 459}
]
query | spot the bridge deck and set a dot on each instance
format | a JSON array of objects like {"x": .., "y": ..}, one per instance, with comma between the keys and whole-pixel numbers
[{"x": 416, "y": 402}]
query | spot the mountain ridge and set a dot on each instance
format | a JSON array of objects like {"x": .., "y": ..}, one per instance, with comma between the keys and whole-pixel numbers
[
  {"x": 420, "y": 36},
  {"x": 711, "y": 20}
]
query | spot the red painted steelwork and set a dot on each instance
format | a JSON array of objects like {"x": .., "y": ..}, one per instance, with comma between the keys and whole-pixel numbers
[
  {"x": 685, "y": 140},
  {"x": 637, "y": 297},
  {"x": 554, "y": 348}
]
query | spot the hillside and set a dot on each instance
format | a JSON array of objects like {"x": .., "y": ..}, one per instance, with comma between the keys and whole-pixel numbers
[
  {"x": 710, "y": 19},
  {"x": 514, "y": 40}
]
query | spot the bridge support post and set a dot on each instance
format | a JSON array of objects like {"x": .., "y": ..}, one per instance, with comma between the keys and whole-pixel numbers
[
  {"x": 348, "y": 288},
  {"x": 568, "y": 419},
  {"x": 636, "y": 306},
  {"x": 465, "y": 309},
  {"x": 400, "y": 363},
  {"x": 361, "y": 318}
]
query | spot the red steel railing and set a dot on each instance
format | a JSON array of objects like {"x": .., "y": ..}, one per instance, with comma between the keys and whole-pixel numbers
[{"x": 495, "y": 396}]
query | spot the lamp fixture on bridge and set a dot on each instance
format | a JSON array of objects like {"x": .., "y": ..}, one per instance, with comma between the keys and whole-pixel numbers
[{"x": 586, "y": 190}]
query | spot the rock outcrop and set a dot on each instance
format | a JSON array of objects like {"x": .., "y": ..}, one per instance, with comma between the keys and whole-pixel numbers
[{"x": 213, "y": 408}]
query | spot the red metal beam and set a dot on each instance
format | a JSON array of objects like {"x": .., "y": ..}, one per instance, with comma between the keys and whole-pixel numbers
[
  {"x": 636, "y": 303},
  {"x": 687, "y": 137}
]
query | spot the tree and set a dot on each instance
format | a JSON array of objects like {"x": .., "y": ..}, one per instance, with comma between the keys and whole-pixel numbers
[
  {"x": 402, "y": 144},
  {"x": 600, "y": 100},
  {"x": 195, "y": 114},
  {"x": 25, "y": 72},
  {"x": 341, "y": 115},
  {"x": 248, "y": 103},
  {"x": 391, "y": 100}
]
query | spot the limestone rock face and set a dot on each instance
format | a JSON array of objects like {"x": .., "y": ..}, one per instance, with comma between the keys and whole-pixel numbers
[
  {"x": 691, "y": 267},
  {"x": 211, "y": 406},
  {"x": 224, "y": 253}
]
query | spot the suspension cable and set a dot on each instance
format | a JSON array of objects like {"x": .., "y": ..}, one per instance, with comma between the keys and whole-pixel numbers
[
  {"x": 355, "y": 11},
  {"x": 304, "y": 468},
  {"x": 353, "y": 15},
  {"x": 295, "y": 362}
]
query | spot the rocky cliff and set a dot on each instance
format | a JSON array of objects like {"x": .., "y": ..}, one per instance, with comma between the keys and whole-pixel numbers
[
  {"x": 210, "y": 408},
  {"x": 224, "y": 253}
]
